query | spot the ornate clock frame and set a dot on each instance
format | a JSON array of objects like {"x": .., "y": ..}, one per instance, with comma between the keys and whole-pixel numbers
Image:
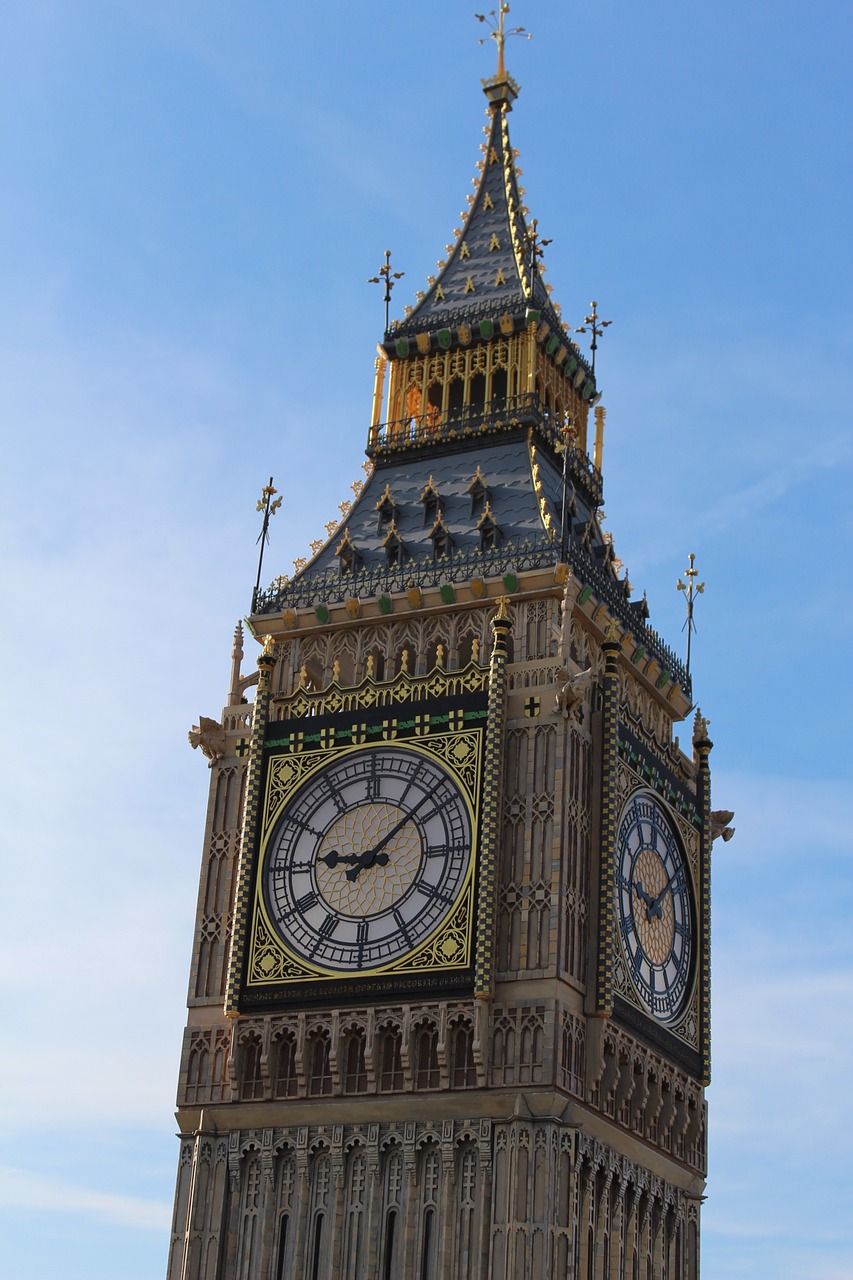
[{"x": 455, "y": 719}]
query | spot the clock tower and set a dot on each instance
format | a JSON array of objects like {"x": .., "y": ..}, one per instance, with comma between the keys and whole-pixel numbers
[{"x": 449, "y": 997}]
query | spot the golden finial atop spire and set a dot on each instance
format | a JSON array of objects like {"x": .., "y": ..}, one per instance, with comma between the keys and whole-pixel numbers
[{"x": 499, "y": 33}]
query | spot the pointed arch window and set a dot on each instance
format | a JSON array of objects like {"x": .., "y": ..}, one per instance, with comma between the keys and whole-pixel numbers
[
  {"x": 427, "y": 1075},
  {"x": 387, "y": 509},
  {"x": 489, "y": 530},
  {"x": 480, "y": 493},
  {"x": 348, "y": 554},
  {"x": 432, "y": 417},
  {"x": 251, "y": 1075},
  {"x": 219, "y": 1087},
  {"x": 477, "y": 393},
  {"x": 432, "y": 503},
  {"x": 463, "y": 1072},
  {"x": 390, "y": 1060},
  {"x": 355, "y": 1071},
  {"x": 499, "y": 389},
  {"x": 284, "y": 1067},
  {"x": 198, "y": 1077},
  {"x": 319, "y": 1067},
  {"x": 439, "y": 535},
  {"x": 395, "y": 549}
]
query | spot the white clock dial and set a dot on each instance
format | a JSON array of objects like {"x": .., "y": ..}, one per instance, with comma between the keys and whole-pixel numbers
[
  {"x": 368, "y": 858},
  {"x": 654, "y": 907}
]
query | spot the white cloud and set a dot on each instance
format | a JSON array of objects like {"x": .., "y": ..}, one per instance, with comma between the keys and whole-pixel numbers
[
  {"x": 20, "y": 1189},
  {"x": 778, "y": 816}
]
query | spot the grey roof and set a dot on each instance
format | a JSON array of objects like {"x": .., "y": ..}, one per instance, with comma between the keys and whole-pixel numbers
[
  {"x": 506, "y": 468},
  {"x": 490, "y": 270}
]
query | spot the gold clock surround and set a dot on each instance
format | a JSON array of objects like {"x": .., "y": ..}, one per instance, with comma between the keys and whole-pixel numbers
[{"x": 452, "y": 739}]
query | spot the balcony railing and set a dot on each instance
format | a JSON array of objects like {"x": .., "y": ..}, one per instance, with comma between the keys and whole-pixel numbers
[{"x": 435, "y": 427}]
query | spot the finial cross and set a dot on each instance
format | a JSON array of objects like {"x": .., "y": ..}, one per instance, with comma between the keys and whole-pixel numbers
[
  {"x": 691, "y": 589},
  {"x": 596, "y": 328},
  {"x": 499, "y": 32},
  {"x": 390, "y": 278},
  {"x": 536, "y": 246},
  {"x": 269, "y": 508}
]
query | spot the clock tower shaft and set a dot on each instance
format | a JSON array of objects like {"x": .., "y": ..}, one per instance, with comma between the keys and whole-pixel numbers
[{"x": 414, "y": 1053}]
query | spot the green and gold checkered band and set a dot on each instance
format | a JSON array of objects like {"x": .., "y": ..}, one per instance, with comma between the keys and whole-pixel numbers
[
  {"x": 609, "y": 816},
  {"x": 251, "y": 810},
  {"x": 492, "y": 776},
  {"x": 703, "y": 747}
]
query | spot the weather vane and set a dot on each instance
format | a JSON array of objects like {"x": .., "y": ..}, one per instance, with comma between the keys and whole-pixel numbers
[
  {"x": 269, "y": 509},
  {"x": 535, "y": 246},
  {"x": 691, "y": 590},
  {"x": 499, "y": 33},
  {"x": 390, "y": 277},
  {"x": 597, "y": 327}
]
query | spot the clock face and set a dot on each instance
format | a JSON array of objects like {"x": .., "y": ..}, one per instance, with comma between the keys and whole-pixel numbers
[
  {"x": 367, "y": 858},
  {"x": 653, "y": 905}
]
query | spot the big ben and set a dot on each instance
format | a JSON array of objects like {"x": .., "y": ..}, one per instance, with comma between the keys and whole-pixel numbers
[{"x": 449, "y": 999}]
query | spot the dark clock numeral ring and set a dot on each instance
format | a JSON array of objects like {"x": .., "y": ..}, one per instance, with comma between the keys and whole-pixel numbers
[
  {"x": 368, "y": 858},
  {"x": 654, "y": 907}
]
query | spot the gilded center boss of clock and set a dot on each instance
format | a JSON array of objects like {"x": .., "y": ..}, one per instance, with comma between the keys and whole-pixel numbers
[{"x": 368, "y": 858}]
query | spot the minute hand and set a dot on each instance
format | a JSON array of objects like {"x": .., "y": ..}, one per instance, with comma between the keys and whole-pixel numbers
[
  {"x": 654, "y": 907},
  {"x": 367, "y": 859}
]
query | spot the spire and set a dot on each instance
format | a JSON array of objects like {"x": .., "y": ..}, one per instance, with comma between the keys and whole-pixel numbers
[{"x": 493, "y": 269}]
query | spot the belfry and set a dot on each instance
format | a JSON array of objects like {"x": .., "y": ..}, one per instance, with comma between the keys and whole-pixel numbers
[{"x": 449, "y": 996}]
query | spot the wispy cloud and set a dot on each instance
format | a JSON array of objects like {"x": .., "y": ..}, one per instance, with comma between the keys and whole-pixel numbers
[
  {"x": 20, "y": 1189},
  {"x": 750, "y": 500},
  {"x": 776, "y": 816}
]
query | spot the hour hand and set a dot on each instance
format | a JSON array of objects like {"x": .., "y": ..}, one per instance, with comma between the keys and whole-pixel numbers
[
  {"x": 652, "y": 904},
  {"x": 332, "y": 858},
  {"x": 363, "y": 861},
  {"x": 641, "y": 893}
]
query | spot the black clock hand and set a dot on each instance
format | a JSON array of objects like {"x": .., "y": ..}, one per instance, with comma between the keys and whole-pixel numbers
[
  {"x": 370, "y": 856},
  {"x": 641, "y": 893},
  {"x": 654, "y": 907},
  {"x": 332, "y": 858}
]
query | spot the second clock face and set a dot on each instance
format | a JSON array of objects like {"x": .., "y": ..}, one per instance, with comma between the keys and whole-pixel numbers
[
  {"x": 653, "y": 904},
  {"x": 367, "y": 859}
]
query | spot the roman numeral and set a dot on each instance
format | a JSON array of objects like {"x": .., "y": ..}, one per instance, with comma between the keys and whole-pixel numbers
[
  {"x": 332, "y": 794},
  {"x": 303, "y": 826},
  {"x": 432, "y": 891},
  {"x": 402, "y": 926},
  {"x": 444, "y": 850},
  {"x": 327, "y": 928}
]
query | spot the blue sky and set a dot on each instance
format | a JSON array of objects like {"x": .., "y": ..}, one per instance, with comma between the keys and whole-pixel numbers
[{"x": 194, "y": 195}]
